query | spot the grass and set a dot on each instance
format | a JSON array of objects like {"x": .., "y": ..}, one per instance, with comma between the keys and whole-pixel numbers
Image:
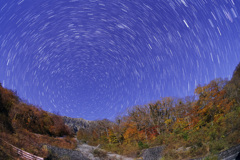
[{"x": 35, "y": 143}]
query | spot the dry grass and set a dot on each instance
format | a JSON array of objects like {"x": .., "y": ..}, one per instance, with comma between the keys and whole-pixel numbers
[{"x": 34, "y": 143}]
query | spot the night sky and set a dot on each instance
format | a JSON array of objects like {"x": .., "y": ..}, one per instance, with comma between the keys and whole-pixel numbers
[{"x": 93, "y": 59}]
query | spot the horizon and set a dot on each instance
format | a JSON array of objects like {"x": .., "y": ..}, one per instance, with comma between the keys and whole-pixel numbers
[
  {"x": 118, "y": 114},
  {"x": 95, "y": 59}
]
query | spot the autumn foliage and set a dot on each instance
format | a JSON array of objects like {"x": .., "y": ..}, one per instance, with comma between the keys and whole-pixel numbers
[
  {"x": 29, "y": 127},
  {"x": 205, "y": 123},
  {"x": 190, "y": 127}
]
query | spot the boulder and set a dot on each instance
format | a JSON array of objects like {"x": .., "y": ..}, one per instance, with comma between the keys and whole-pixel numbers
[{"x": 152, "y": 153}]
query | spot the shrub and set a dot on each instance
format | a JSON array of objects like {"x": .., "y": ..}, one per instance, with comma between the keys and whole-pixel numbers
[
  {"x": 99, "y": 153},
  {"x": 217, "y": 146},
  {"x": 142, "y": 145}
]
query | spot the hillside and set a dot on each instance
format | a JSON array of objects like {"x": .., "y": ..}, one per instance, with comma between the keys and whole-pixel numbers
[
  {"x": 29, "y": 127},
  {"x": 77, "y": 124},
  {"x": 202, "y": 125},
  {"x": 233, "y": 85}
]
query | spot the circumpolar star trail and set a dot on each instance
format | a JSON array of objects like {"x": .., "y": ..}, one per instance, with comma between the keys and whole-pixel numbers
[{"x": 94, "y": 58}]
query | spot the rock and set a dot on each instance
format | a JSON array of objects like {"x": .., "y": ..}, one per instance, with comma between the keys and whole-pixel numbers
[
  {"x": 152, "y": 153},
  {"x": 238, "y": 156},
  {"x": 80, "y": 123},
  {"x": 230, "y": 154},
  {"x": 183, "y": 149},
  {"x": 88, "y": 150},
  {"x": 64, "y": 154},
  {"x": 77, "y": 123}
]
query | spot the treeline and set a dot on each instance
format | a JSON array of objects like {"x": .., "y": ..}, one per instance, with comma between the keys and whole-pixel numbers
[
  {"x": 29, "y": 127},
  {"x": 196, "y": 126}
]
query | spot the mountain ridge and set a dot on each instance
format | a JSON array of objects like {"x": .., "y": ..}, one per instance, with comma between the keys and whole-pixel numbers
[{"x": 76, "y": 123}]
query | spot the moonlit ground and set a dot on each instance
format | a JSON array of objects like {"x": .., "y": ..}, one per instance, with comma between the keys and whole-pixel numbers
[{"x": 94, "y": 58}]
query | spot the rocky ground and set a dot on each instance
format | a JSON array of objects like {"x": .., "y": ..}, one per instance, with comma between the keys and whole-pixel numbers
[
  {"x": 83, "y": 152},
  {"x": 88, "y": 151}
]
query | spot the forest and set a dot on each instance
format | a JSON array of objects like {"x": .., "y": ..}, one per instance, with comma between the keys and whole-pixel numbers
[
  {"x": 196, "y": 126},
  {"x": 201, "y": 125}
]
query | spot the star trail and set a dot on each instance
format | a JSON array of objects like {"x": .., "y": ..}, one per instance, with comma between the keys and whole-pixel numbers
[{"x": 95, "y": 58}]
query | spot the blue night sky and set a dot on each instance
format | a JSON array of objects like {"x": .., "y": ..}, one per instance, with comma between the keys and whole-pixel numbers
[{"x": 92, "y": 59}]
